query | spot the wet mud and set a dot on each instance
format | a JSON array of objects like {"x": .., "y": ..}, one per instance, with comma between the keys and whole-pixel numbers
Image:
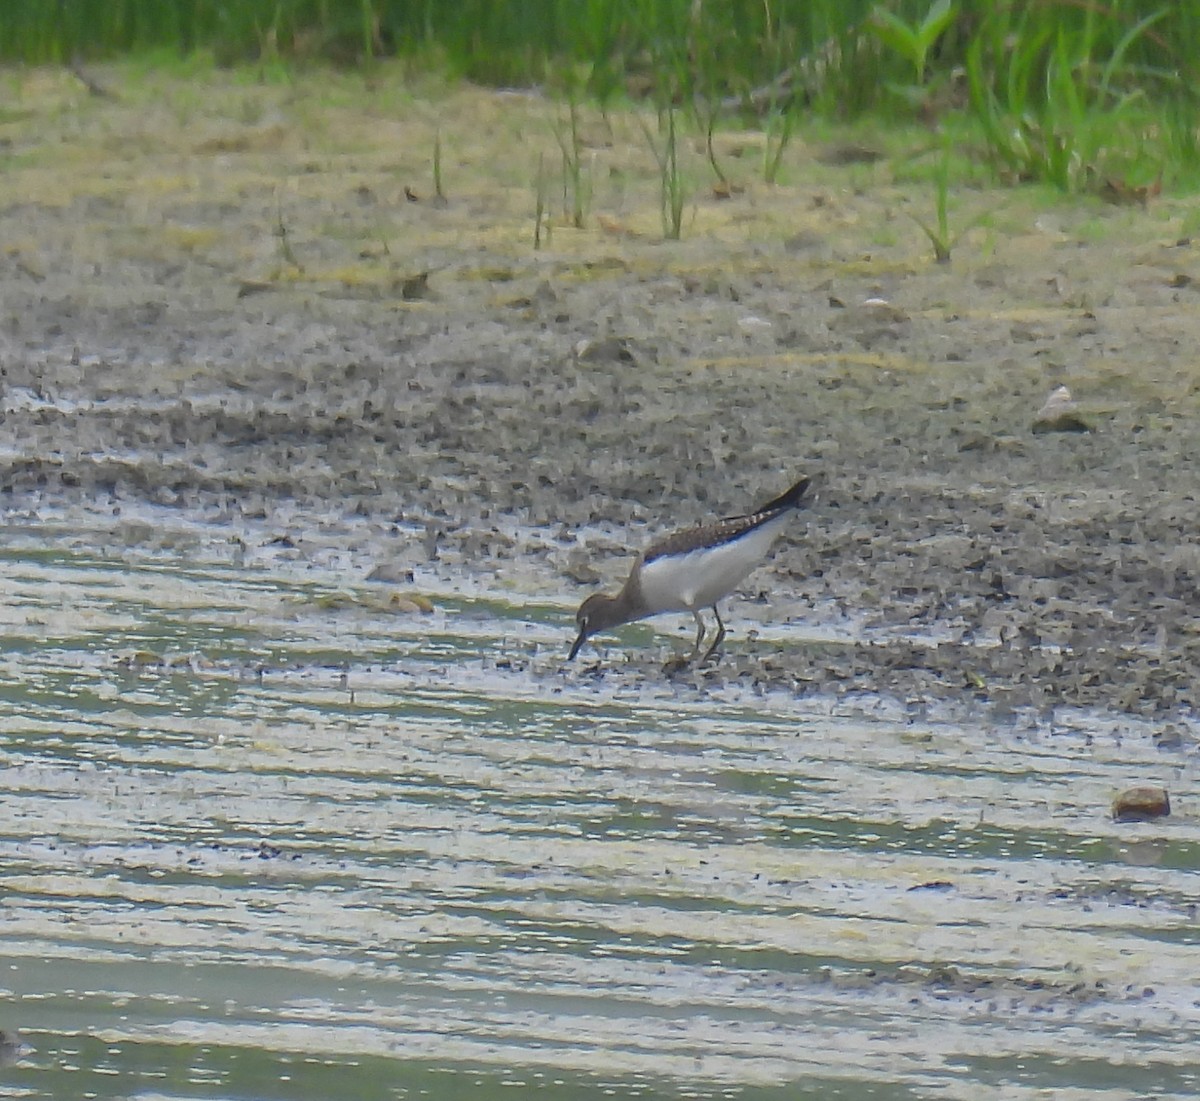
[{"x": 238, "y": 302}]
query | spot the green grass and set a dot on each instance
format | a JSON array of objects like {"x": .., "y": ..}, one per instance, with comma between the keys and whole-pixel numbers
[
  {"x": 1063, "y": 100},
  {"x": 1076, "y": 93}
]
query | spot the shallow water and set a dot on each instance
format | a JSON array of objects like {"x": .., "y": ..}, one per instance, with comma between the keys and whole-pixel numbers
[{"x": 265, "y": 839}]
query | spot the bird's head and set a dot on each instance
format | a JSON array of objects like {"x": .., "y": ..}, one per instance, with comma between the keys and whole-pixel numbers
[{"x": 597, "y": 613}]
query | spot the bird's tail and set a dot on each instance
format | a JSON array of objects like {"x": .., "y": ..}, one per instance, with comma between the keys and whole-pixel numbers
[{"x": 789, "y": 499}]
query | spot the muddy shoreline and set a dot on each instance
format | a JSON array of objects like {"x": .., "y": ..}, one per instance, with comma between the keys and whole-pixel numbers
[{"x": 519, "y": 417}]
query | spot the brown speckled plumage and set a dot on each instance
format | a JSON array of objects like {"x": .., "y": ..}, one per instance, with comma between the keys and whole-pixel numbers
[{"x": 601, "y": 612}]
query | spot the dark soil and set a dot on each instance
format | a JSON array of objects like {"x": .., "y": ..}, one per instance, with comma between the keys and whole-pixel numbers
[{"x": 535, "y": 413}]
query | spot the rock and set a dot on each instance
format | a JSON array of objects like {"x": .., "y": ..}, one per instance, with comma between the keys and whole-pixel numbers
[
  {"x": 407, "y": 602},
  {"x": 1141, "y": 804},
  {"x": 579, "y": 568},
  {"x": 391, "y": 574},
  {"x": 1060, "y": 413},
  {"x": 610, "y": 349}
]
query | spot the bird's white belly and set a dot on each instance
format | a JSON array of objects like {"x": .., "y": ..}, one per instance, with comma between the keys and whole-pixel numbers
[{"x": 701, "y": 577}]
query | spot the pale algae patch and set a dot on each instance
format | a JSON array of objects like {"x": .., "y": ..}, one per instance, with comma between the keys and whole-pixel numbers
[{"x": 262, "y": 843}]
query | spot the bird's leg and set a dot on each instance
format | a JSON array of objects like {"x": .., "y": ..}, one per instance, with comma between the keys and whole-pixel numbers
[
  {"x": 720, "y": 636},
  {"x": 700, "y": 629},
  {"x": 679, "y": 663}
]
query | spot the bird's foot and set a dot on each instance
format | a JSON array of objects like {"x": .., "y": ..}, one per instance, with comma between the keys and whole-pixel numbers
[{"x": 677, "y": 664}]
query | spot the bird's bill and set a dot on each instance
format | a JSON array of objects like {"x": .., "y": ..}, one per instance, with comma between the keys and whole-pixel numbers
[{"x": 577, "y": 644}]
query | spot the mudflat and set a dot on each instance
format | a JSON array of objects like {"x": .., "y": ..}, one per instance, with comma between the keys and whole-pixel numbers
[{"x": 241, "y": 301}]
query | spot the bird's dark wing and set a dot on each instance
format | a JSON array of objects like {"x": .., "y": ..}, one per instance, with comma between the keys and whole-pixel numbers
[{"x": 726, "y": 530}]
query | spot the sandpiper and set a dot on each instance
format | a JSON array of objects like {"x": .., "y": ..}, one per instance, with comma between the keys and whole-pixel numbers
[{"x": 690, "y": 570}]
